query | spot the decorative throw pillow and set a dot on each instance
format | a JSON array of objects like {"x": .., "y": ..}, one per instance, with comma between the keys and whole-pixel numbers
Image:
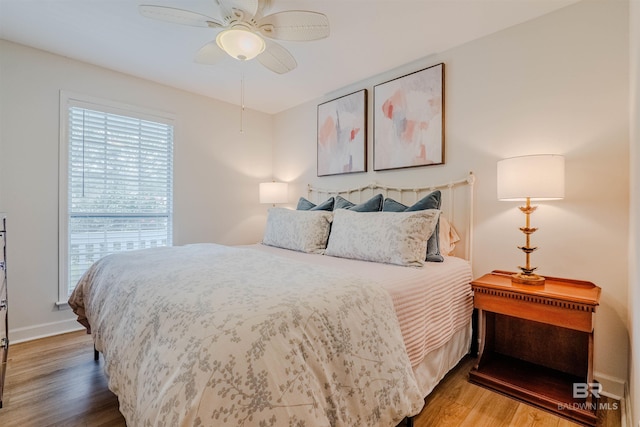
[
  {"x": 448, "y": 236},
  {"x": 374, "y": 204},
  {"x": 303, "y": 231},
  {"x": 430, "y": 201},
  {"x": 305, "y": 205},
  {"x": 387, "y": 237}
]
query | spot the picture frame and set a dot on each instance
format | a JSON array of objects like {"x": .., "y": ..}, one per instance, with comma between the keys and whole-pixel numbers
[
  {"x": 409, "y": 120},
  {"x": 342, "y": 135}
]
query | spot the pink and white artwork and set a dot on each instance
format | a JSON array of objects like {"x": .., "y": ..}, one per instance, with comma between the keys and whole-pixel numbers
[
  {"x": 409, "y": 120},
  {"x": 342, "y": 135}
]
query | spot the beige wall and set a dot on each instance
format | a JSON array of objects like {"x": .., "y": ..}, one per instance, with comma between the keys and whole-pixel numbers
[
  {"x": 216, "y": 170},
  {"x": 558, "y": 84},
  {"x": 634, "y": 220}
]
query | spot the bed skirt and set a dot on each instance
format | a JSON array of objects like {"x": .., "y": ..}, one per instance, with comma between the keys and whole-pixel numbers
[{"x": 438, "y": 362}]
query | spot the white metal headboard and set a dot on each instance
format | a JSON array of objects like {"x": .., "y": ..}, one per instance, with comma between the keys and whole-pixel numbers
[{"x": 457, "y": 203}]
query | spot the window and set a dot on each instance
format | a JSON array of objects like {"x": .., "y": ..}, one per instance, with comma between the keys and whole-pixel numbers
[{"x": 116, "y": 184}]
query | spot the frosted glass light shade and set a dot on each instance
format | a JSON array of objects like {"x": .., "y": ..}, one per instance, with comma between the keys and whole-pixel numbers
[
  {"x": 274, "y": 192},
  {"x": 538, "y": 177},
  {"x": 240, "y": 43}
]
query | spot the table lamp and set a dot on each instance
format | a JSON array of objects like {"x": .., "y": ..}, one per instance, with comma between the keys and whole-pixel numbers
[
  {"x": 274, "y": 192},
  {"x": 535, "y": 177}
]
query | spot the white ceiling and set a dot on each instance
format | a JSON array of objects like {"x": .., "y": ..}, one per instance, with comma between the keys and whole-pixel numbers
[{"x": 368, "y": 37}]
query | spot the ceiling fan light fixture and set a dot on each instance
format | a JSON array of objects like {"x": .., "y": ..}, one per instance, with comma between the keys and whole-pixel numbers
[
  {"x": 246, "y": 32},
  {"x": 240, "y": 43}
]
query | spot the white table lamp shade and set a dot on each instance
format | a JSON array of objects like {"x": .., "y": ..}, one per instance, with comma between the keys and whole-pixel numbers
[
  {"x": 538, "y": 177},
  {"x": 274, "y": 192}
]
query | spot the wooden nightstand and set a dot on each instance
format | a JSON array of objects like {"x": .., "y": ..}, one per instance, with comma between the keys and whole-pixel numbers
[{"x": 536, "y": 343}]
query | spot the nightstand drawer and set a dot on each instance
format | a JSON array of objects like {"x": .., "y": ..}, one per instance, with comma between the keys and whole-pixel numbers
[{"x": 545, "y": 310}]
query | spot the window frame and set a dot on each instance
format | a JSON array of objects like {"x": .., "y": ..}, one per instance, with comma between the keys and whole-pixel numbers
[{"x": 68, "y": 100}]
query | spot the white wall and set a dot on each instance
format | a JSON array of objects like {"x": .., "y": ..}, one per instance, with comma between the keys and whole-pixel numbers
[
  {"x": 558, "y": 84},
  {"x": 216, "y": 171},
  {"x": 634, "y": 220}
]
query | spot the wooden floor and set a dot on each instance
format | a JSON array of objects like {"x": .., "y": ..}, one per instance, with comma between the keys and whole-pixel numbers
[{"x": 55, "y": 382}]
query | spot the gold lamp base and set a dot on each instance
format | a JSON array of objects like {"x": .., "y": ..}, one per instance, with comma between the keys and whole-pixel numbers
[
  {"x": 527, "y": 279},
  {"x": 526, "y": 275}
]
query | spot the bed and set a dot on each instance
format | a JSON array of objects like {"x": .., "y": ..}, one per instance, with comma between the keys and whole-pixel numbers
[{"x": 290, "y": 333}]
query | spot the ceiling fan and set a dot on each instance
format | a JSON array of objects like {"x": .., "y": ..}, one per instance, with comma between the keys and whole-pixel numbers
[{"x": 246, "y": 32}]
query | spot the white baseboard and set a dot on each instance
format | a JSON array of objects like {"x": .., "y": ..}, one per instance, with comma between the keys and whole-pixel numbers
[
  {"x": 611, "y": 386},
  {"x": 43, "y": 330}
]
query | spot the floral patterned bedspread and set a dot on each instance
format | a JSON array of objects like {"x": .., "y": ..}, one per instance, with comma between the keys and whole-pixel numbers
[{"x": 209, "y": 335}]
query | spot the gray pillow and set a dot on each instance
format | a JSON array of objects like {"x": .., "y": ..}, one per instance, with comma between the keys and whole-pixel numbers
[
  {"x": 305, "y": 205},
  {"x": 430, "y": 201},
  {"x": 374, "y": 204}
]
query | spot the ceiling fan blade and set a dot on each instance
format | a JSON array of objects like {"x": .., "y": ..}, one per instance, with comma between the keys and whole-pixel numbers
[
  {"x": 277, "y": 58},
  {"x": 178, "y": 16},
  {"x": 263, "y": 5},
  {"x": 295, "y": 25},
  {"x": 249, "y": 7},
  {"x": 210, "y": 54}
]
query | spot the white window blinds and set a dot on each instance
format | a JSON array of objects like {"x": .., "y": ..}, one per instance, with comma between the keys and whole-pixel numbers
[{"x": 119, "y": 187}]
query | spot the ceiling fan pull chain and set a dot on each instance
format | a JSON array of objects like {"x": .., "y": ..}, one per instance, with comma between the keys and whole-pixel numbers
[{"x": 241, "y": 102}]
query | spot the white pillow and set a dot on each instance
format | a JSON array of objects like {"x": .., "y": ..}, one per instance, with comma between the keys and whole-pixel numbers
[
  {"x": 448, "y": 237},
  {"x": 388, "y": 237},
  {"x": 304, "y": 231}
]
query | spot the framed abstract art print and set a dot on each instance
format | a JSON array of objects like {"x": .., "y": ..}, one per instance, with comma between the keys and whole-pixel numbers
[
  {"x": 409, "y": 120},
  {"x": 342, "y": 135}
]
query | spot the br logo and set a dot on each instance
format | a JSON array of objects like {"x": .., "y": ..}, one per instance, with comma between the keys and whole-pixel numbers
[{"x": 582, "y": 390}]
